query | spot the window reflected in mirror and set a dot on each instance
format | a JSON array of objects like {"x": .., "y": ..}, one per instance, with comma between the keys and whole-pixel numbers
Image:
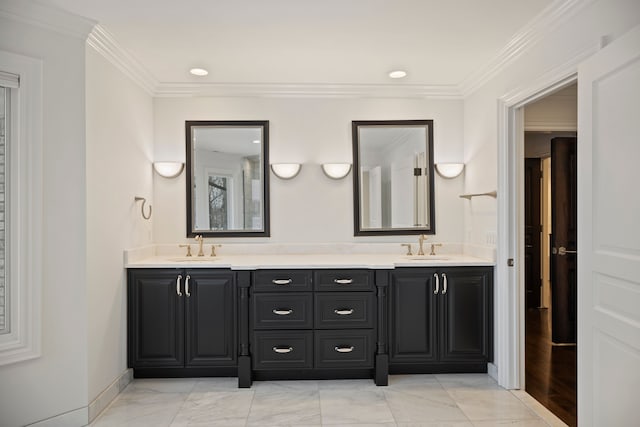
[
  {"x": 393, "y": 179},
  {"x": 227, "y": 183}
]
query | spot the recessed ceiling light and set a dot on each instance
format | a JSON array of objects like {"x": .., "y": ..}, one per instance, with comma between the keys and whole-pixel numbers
[
  {"x": 397, "y": 74},
  {"x": 198, "y": 71},
  {"x": 256, "y": 141}
]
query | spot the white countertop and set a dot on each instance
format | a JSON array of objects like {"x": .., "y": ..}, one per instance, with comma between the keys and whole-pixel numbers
[{"x": 282, "y": 261}]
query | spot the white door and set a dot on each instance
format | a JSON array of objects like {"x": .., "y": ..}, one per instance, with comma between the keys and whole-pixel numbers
[{"x": 609, "y": 235}]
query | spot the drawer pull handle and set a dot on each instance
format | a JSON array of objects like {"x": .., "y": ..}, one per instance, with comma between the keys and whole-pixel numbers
[
  {"x": 343, "y": 281},
  {"x": 281, "y": 281},
  {"x": 178, "y": 285},
  {"x": 343, "y": 311},
  {"x": 344, "y": 349},
  {"x": 282, "y": 311},
  {"x": 282, "y": 350},
  {"x": 435, "y": 276}
]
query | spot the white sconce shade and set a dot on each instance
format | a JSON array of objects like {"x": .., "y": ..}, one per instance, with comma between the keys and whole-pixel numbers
[
  {"x": 449, "y": 170},
  {"x": 336, "y": 170},
  {"x": 168, "y": 169},
  {"x": 286, "y": 170}
]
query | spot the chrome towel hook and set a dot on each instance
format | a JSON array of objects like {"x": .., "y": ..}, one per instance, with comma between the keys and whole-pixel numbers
[{"x": 137, "y": 199}]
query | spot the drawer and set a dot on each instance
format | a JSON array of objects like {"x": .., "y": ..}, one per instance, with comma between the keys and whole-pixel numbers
[
  {"x": 336, "y": 310},
  {"x": 281, "y": 280},
  {"x": 283, "y": 310},
  {"x": 343, "y": 280},
  {"x": 282, "y": 349},
  {"x": 344, "y": 349}
]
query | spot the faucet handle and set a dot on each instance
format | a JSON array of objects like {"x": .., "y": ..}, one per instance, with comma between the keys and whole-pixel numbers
[
  {"x": 213, "y": 249},
  {"x": 433, "y": 248},
  {"x": 408, "y": 245},
  {"x": 188, "y": 249}
]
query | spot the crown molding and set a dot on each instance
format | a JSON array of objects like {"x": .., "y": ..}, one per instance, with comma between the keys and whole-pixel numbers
[
  {"x": 106, "y": 45},
  {"x": 553, "y": 16},
  {"x": 47, "y": 17},
  {"x": 307, "y": 90},
  {"x": 548, "y": 20},
  {"x": 553, "y": 126}
]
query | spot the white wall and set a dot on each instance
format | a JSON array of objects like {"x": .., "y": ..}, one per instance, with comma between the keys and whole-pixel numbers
[
  {"x": 310, "y": 208},
  {"x": 585, "y": 29},
  {"x": 604, "y": 18},
  {"x": 119, "y": 150},
  {"x": 55, "y": 383}
]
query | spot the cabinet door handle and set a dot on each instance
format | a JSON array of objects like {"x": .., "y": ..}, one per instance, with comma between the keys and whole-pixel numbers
[
  {"x": 186, "y": 285},
  {"x": 343, "y": 349},
  {"x": 343, "y": 281},
  {"x": 178, "y": 285},
  {"x": 282, "y": 311},
  {"x": 343, "y": 311},
  {"x": 281, "y": 281},
  {"x": 282, "y": 350},
  {"x": 437, "y": 289},
  {"x": 444, "y": 284}
]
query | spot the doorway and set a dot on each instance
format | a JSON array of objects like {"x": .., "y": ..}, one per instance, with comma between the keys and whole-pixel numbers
[{"x": 549, "y": 274}]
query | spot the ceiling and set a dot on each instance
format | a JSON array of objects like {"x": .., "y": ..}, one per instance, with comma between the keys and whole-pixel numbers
[{"x": 312, "y": 42}]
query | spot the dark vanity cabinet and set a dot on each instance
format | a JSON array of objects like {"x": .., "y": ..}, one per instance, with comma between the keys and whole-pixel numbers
[
  {"x": 309, "y": 323},
  {"x": 440, "y": 319},
  {"x": 182, "y": 322},
  {"x": 313, "y": 324}
]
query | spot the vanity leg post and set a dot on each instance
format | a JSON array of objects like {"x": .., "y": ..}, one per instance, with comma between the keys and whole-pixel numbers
[
  {"x": 382, "y": 358},
  {"x": 244, "y": 357}
]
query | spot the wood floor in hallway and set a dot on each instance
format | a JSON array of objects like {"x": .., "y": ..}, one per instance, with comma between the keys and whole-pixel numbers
[{"x": 550, "y": 370}]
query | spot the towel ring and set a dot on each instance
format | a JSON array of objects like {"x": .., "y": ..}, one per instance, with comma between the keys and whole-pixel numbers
[{"x": 137, "y": 199}]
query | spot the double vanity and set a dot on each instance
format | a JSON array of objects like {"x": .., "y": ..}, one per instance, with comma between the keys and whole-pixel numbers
[{"x": 303, "y": 316}]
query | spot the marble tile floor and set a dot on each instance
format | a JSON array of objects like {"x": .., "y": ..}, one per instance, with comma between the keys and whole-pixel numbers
[{"x": 451, "y": 400}]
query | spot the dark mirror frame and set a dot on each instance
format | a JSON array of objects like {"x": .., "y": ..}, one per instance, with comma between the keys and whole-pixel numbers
[
  {"x": 265, "y": 232},
  {"x": 358, "y": 231}
]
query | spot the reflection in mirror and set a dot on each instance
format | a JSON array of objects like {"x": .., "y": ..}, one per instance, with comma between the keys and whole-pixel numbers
[
  {"x": 393, "y": 179},
  {"x": 227, "y": 187}
]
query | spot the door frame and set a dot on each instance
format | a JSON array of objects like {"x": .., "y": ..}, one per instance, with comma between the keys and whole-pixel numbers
[{"x": 509, "y": 284}]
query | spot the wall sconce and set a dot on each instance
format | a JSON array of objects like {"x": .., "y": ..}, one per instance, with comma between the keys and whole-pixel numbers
[
  {"x": 449, "y": 170},
  {"x": 336, "y": 170},
  {"x": 168, "y": 169},
  {"x": 286, "y": 170}
]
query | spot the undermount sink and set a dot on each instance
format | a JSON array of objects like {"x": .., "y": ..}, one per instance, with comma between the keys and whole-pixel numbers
[
  {"x": 192, "y": 259},
  {"x": 427, "y": 258}
]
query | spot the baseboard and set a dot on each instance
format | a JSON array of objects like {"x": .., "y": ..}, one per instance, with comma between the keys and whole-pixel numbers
[
  {"x": 106, "y": 397},
  {"x": 76, "y": 417},
  {"x": 492, "y": 371}
]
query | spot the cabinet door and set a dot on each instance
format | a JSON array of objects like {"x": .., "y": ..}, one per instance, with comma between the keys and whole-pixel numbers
[
  {"x": 211, "y": 312},
  {"x": 465, "y": 315},
  {"x": 156, "y": 319},
  {"x": 412, "y": 320}
]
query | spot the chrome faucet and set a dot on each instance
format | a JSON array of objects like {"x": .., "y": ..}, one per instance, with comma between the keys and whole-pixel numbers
[
  {"x": 200, "y": 241},
  {"x": 421, "y": 239}
]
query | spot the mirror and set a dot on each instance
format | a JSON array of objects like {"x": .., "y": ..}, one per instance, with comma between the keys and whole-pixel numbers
[
  {"x": 393, "y": 179},
  {"x": 227, "y": 183}
]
